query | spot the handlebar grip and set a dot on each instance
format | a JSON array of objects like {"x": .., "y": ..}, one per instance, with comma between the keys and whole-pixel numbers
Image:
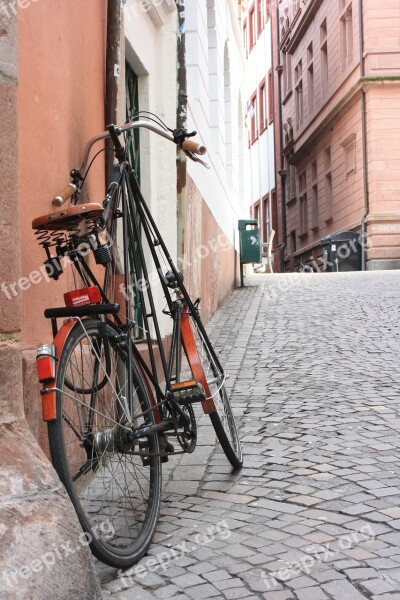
[
  {"x": 193, "y": 146},
  {"x": 65, "y": 195}
]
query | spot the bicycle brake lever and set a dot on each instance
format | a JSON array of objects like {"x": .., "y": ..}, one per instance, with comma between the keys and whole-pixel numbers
[{"x": 195, "y": 158}]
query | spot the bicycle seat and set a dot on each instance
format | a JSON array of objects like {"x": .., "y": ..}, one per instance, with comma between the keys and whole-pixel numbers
[{"x": 68, "y": 218}]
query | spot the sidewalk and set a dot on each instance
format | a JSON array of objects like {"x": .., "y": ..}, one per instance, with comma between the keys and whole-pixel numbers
[{"x": 314, "y": 514}]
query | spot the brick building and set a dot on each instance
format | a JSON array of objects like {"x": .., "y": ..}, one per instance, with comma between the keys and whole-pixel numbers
[{"x": 339, "y": 78}]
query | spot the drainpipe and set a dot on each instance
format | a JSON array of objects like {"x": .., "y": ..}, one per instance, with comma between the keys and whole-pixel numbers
[
  {"x": 282, "y": 246},
  {"x": 364, "y": 137},
  {"x": 181, "y": 170},
  {"x": 113, "y": 65}
]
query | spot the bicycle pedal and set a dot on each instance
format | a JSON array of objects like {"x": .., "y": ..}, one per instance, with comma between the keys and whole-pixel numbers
[
  {"x": 188, "y": 392},
  {"x": 165, "y": 447},
  {"x": 143, "y": 445}
]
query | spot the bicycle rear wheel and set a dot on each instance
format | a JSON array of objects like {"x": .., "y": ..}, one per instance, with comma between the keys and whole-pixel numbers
[
  {"x": 210, "y": 374},
  {"x": 114, "y": 485}
]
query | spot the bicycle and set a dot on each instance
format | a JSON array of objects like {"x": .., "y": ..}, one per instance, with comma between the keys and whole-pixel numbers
[{"x": 111, "y": 416}]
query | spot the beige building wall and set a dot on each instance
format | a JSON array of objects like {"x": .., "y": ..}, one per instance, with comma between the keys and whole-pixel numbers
[
  {"x": 337, "y": 98},
  {"x": 42, "y": 105}
]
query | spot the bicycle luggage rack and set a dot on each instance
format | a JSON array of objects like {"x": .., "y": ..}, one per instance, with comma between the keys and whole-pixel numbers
[{"x": 81, "y": 311}]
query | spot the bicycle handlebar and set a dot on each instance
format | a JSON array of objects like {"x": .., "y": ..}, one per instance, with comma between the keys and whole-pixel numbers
[
  {"x": 65, "y": 195},
  {"x": 193, "y": 146},
  {"x": 189, "y": 146}
]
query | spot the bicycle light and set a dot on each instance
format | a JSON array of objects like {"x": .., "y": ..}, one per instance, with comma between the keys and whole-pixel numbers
[{"x": 46, "y": 363}]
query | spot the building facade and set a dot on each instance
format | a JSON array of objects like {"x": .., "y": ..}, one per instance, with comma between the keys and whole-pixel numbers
[
  {"x": 51, "y": 101},
  {"x": 339, "y": 74},
  {"x": 214, "y": 199},
  {"x": 260, "y": 118}
]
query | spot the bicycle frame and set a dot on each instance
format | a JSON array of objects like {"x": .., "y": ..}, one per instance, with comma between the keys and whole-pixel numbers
[{"x": 124, "y": 197}]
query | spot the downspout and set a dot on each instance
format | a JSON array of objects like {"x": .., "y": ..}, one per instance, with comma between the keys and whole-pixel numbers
[
  {"x": 282, "y": 246},
  {"x": 364, "y": 139},
  {"x": 113, "y": 65},
  {"x": 181, "y": 118}
]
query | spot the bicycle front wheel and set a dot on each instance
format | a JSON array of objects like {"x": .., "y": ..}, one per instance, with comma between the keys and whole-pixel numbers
[
  {"x": 114, "y": 483},
  {"x": 206, "y": 369}
]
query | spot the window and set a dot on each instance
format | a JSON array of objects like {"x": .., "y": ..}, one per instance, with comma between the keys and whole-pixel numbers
[
  {"x": 303, "y": 215},
  {"x": 267, "y": 6},
  {"x": 346, "y": 33},
  {"x": 299, "y": 94},
  {"x": 303, "y": 208},
  {"x": 287, "y": 73},
  {"x": 253, "y": 118},
  {"x": 270, "y": 99},
  {"x": 292, "y": 181},
  {"x": 245, "y": 44},
  {"x": 252, "y": 28},
  {"x": 314, "y": 196},
  {"x": 328, "y": 185},
  {"x": 310, "y": 82},
  {"x": 260, "y": 16},
  {"x": 257, "y": 213},
  {"x": 262, "y": 101},
  {"x": 349, "y": 147},
  {"x": 293, "y": 241},
  {"x": 324, "y": 58},
  {"x": 274, "y": 211},
  {"x": 266, "y": 227}
]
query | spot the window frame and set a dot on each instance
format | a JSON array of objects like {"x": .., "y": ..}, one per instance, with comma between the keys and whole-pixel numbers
[
  {"x": 346, "y": 33},
  {"x": 254, "y": 119},
  {"x": 262, "y": 106},
  {"x": 310, "y": 79},
  {"x": 324, "y": 58},
  {"x": 303, "y": 204},
  {"x": 328, "y": 185},
  {"x": 299, "y": 89},
  {"x": 252, "y": 20},
  {"x": 314, "y": 196},
  {"x": 270, "y": 98}
]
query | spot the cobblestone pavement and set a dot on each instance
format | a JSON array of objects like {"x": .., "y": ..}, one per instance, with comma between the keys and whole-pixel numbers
[{"x": 315, "y": 513}]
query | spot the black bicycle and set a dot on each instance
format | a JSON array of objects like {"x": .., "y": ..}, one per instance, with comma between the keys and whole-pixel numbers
[{"x": 114, "y": 415}]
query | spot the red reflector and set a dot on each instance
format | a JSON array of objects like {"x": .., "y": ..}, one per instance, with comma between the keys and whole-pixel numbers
[
  {"x": 46, "y": 368},
  {"x": 89, "y": 295},
  {"x": 49, "y": 412}
]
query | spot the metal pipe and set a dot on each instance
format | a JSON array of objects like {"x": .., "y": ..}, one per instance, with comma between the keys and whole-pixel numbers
[
  {"x": 181, "y": 118},
  {"x": 282, "y": 246},
  {"x": 113, "y": 63}
]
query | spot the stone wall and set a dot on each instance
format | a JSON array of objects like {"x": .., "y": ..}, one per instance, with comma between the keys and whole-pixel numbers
[{"x": 37, "y": 520}]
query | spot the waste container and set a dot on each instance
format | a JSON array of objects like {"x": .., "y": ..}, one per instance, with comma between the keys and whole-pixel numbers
[
  {"x": 342, "y": 252},
  {"x": 250, "y": 244}
]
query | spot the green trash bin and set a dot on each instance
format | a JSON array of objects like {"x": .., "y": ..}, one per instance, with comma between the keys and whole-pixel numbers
[{"x": 250, "y": 244}]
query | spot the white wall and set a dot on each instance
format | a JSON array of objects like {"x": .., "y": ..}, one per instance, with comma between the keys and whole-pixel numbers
[
  {"x": 260, "y": 155},
  {"x": 217, "y": 100}
]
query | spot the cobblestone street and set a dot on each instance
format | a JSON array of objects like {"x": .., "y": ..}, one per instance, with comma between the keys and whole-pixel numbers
[{"x": 314, "y": 514}]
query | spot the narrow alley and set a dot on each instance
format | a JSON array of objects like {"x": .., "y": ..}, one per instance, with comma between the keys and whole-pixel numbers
[{"x": 314, "y": 514}]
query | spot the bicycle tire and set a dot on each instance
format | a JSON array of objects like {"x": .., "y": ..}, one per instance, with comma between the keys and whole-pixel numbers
[
  {"x": 116, "y": 496},
  {"x": 222, "y": 418}
]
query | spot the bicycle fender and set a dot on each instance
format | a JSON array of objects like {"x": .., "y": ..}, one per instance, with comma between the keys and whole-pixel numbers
[
  {"x": 192, "y": 355},
  {"x": 48, "y": 393}
]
